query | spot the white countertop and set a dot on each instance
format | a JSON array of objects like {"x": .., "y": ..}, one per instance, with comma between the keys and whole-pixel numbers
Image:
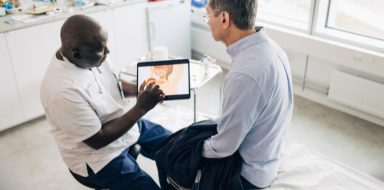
[{"x": 41, "y": 19}]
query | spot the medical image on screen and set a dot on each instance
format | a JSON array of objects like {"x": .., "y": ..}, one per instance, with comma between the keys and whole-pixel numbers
[{"x": 172, "y": 79}]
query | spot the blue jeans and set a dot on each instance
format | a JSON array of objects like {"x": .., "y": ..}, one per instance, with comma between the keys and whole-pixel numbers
[{"x": 123, "y": 172}]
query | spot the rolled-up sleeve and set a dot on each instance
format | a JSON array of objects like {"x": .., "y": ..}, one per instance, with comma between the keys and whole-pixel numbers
[{"x": 240, "y": 105}]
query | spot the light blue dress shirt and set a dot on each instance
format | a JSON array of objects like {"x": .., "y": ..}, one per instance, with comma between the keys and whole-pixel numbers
[{"x": 257, "y": 108}]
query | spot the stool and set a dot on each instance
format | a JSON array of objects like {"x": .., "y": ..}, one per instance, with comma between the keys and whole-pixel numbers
[{"x": 134, "y": 151}]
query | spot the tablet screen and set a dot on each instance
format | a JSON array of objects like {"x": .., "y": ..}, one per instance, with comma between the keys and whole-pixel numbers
[{"x": 171, "y": 75}]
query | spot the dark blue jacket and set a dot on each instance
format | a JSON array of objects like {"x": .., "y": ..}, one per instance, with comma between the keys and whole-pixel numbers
[{"x": 179, "y": 160}]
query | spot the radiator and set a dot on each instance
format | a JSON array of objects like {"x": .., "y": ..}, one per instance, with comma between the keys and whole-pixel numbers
[{"x": 356, "y": 92}]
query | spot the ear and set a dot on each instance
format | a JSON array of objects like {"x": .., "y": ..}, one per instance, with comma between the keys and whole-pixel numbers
[
  {"x": 76, "y": 54},
  {"x": 225, "y": 22}
]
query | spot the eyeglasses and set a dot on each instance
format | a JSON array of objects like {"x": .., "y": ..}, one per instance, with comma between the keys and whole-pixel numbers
[{"x": 206, "y": 18}]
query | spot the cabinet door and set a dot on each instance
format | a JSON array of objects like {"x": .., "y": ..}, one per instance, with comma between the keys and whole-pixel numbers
[
  {"x": 130, "y": 34},
  {"x": 169, "y": 24},
  {"x": 31, "y": 50},
  {"x": 10, "y": 108}
]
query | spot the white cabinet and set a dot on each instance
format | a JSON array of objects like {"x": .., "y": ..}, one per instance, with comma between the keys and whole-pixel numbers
[
  {"x": 130, "y": 34},
  {"x": 31, "y": 50},
  {"x": 127, "y": 32},
  {"x": 169, "y": 24},
  {"x": 26, "y": 53},
  {"x": 10, "y": 112}
]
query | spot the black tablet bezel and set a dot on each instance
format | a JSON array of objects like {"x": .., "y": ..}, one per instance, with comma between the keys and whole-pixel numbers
[{"x": 167, "y": 62}]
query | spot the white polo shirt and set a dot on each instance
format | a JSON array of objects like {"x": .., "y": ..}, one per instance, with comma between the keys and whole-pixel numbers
[{"x": 77, "y": 102}]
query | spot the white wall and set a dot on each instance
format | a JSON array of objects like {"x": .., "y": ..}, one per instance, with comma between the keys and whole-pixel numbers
[{"x": 312, "y": 61}]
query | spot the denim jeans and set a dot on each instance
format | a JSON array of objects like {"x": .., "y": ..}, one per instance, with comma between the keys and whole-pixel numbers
[{"x": 123, "y": 172}]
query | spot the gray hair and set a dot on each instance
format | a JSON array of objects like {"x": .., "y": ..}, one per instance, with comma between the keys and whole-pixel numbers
[{"x": 241, "y": 12}]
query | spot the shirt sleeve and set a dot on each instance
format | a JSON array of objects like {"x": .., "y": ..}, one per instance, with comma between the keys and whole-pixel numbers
[
  {"x": 242, "y": 103},
  {"x": 74, "y": 115}
]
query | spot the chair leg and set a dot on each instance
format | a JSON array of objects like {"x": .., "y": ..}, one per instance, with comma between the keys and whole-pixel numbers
[
  {"x": 83, "y": 181},
  {"x": 134, "y": 150}
]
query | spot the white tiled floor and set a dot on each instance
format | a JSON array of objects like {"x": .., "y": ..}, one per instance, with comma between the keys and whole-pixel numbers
[
  {"x": 29, "y": 158},
  {"x": 356, "y": 142}
]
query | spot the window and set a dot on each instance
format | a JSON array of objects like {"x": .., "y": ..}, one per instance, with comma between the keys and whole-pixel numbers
[
  {"x": 290, "y": 13},
  {"x": 362, "y": 17},
  {"x": 355, "y": 22}
]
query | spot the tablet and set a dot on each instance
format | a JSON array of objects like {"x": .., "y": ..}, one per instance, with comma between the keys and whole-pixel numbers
[{"x": 171, "y": 75}]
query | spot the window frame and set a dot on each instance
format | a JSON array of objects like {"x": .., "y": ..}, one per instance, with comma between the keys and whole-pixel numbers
[
  {"x": 289, "y": 21},
  {"x": 320, "y": 29},
  {"x": 317, "y": 27}
]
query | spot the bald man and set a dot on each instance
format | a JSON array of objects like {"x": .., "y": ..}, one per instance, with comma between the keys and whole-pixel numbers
[{"x": 84, "y": 103}]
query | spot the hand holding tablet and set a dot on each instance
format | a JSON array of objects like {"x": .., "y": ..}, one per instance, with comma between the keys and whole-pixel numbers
[{"x": 148, "y": 96}]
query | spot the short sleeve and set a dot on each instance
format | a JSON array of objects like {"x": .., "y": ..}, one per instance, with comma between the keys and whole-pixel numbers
[{"x": 70, "y": 112}]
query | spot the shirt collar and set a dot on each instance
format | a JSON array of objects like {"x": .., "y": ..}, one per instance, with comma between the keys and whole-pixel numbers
[
  {"x": 234, "y": 49},
  {"x": 69, "y": 65},
  {"x": 66, "y": 63}
]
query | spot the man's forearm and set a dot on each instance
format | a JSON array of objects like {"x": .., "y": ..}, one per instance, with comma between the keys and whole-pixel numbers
[
  {"x": 129, "y": 89},
  {"x": 115, "y": 128}
]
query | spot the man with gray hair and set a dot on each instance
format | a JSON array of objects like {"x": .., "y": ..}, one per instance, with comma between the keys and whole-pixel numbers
[{"x": 258, "y": 100}]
